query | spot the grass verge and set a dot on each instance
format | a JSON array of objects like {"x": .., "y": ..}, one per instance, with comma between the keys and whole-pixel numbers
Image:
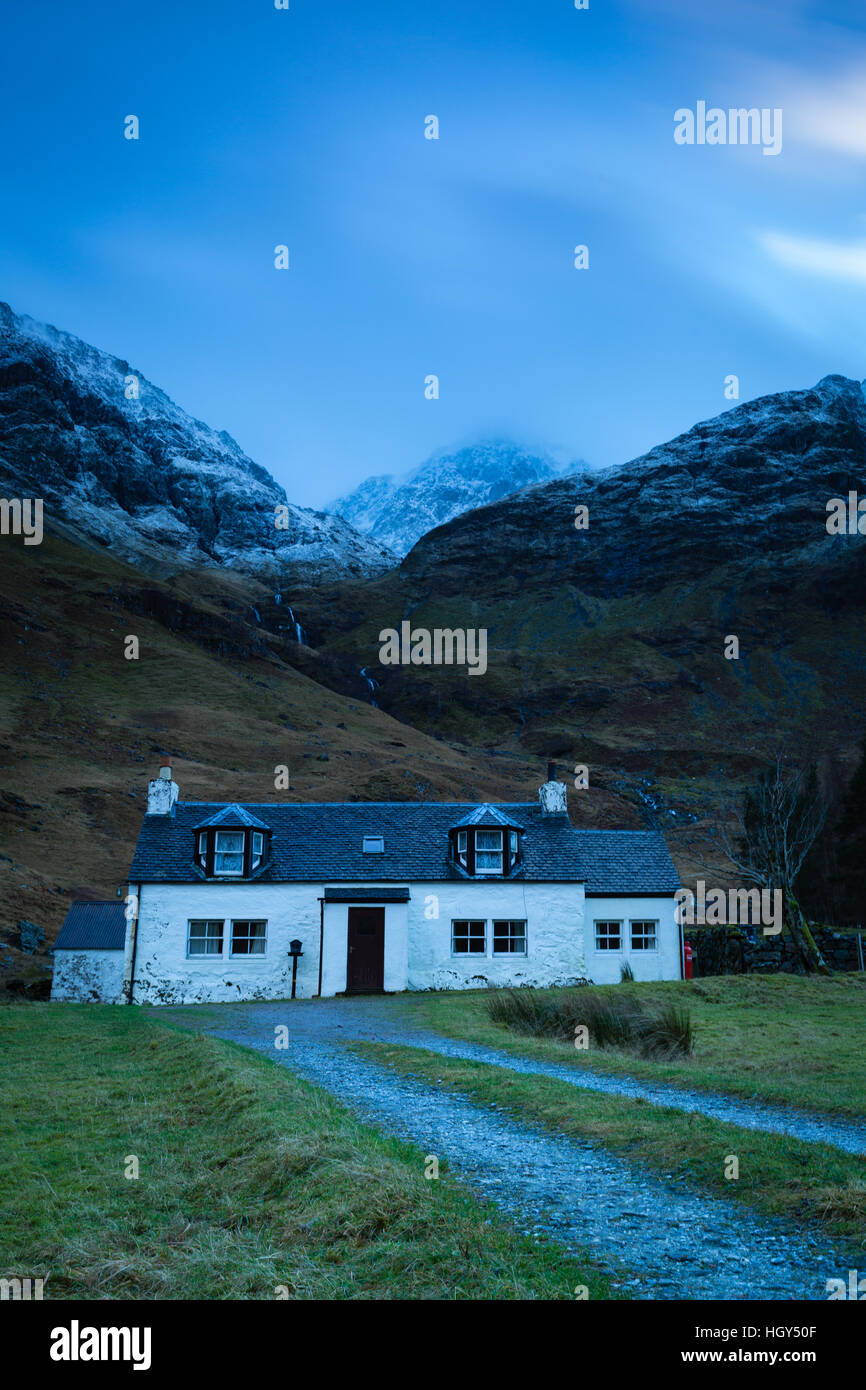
[
  {"x": 778, "y": 1176},
  {"x": 249, "y": 1179},
  {"x": 798, "y": 1040}
]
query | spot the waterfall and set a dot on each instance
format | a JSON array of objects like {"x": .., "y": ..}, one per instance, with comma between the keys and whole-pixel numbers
[
  {"x": 374, "y": 685},
  {"x": 300, "y": 634}
]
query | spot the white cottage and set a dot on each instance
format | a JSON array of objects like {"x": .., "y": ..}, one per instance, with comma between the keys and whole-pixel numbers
[{"x": 230, "y": 901}]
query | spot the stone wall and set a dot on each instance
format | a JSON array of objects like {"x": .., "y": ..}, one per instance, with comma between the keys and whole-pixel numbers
[{"x": 744, "y": 950}]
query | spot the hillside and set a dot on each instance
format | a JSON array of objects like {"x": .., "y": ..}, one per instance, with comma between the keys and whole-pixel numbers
[{"x": 221, "y": 685}]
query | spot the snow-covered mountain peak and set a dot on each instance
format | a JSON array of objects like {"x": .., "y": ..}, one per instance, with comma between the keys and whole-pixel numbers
[{"x": 398, "y": 511}]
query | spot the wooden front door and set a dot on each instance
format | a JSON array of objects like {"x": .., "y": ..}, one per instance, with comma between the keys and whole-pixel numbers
[{"x": 366, "y": 967}]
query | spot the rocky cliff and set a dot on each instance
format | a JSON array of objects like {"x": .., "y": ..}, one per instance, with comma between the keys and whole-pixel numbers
[{"x": 119, "y": 465}]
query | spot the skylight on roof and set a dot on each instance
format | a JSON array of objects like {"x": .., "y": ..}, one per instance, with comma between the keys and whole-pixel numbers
[{"x": 374, "y": 844}]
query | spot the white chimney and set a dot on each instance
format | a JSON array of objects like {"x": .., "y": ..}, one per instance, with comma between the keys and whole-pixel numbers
[
  {"x": 161, "y": 793},
  {"x": 553, "y": 796}
]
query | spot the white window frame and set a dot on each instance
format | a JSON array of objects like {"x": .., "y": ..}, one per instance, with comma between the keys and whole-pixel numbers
[
  {"x": 206, "y": 922},
  {"x": 644, "y": 922},
  {"x": 608, "y": 922},
  {"x": 509, "y": 922},
  {"x": 462, "y": 847},
  {"x": 248, "y": 922},
  {"x": 485, "y": 830},
  {"x": 468, "y": 922},
  {"x": 257, "y": 849},
  {"x": 202, "y": 848},
  {"x": 228, "y": 873}
]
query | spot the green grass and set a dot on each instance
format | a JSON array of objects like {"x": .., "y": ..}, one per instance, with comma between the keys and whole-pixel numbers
[
  {"x": 778, "y": 1175},
  {"x": 798, "y": 1040},
  {"x": 249, "y": 1179}
]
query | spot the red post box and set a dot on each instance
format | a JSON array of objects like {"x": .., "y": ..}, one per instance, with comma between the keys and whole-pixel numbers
[{"x": 687, "y": 960}]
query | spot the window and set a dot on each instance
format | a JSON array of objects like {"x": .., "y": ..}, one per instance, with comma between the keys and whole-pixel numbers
[
  {"x": 374, "y": 844},
  {"x": 202, "y": 849},
  {"x": 509, "y": 938},
  {"x": 468, "y": 938},
  {"x": 608, "y": 936},
  {"x": 513, "y": 843},
  {"x": 228, "y": 852},
  {"x": 205, "y": 939},
  {"x": 488, "y": 852},
  {"x": 643, "y": 936},
  {"x": 258, "y": 849},
  {"x": 249, "y": 938},
  {"x": 462, "y": 839}
]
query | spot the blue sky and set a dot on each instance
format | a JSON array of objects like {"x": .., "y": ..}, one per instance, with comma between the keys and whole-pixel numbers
[{"x": 413, "y": 256}]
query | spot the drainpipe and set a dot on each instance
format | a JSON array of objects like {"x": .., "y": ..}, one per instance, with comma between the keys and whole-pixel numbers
[{"x": 321, "y": 941}]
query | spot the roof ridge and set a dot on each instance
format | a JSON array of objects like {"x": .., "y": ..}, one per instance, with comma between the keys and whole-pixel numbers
[{"x": 425, "y": 804}]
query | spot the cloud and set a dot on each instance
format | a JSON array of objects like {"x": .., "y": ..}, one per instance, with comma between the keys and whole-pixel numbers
[
  {"x": 837, "y": 260},
  {"x": 832, "y": 117}
]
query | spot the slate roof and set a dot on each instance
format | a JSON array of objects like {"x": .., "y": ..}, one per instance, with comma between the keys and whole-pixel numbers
[
  {"x": 626, "y": 861},
  {"x": 93, "y": 926},
  {"x": 318, "y": 842}
]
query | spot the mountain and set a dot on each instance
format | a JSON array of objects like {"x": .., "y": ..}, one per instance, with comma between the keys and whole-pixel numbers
[
  {"x": 606, "y": 646},
  {"x": 751, "y": 484},
  {"x": 141, "y": 477},
  {"x": 398, "y": 511}
]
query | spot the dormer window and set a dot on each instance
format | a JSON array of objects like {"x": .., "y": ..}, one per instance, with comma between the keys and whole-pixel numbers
[
  {"x": 232, "y": 843},
  {"x": 488, "y": 851},
  {"x": 486, "y": 843},
  {"x": 374, "y": 844},
  {"x": 228, "y": 857}
]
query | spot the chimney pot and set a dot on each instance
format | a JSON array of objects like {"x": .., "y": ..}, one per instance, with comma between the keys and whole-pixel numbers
[{"x": 551, "y": 772}]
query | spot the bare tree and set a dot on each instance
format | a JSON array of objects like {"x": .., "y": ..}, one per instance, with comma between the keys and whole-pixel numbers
[{"x": 776, "y": 826}]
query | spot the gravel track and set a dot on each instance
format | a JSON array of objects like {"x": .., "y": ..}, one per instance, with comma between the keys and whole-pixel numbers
[
  {"x": 366, "y": 1019},
  {"x": 657, "y": 1238}
]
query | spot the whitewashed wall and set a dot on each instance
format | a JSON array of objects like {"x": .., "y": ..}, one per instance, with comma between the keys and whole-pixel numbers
[
  {"x": 88, "y": 977},
  {"x": 603, "y": 967},
  {"x": 553, "y": 913},
  {"x": 417, "y": 939},
  {"x": 164, "y": 974}
]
